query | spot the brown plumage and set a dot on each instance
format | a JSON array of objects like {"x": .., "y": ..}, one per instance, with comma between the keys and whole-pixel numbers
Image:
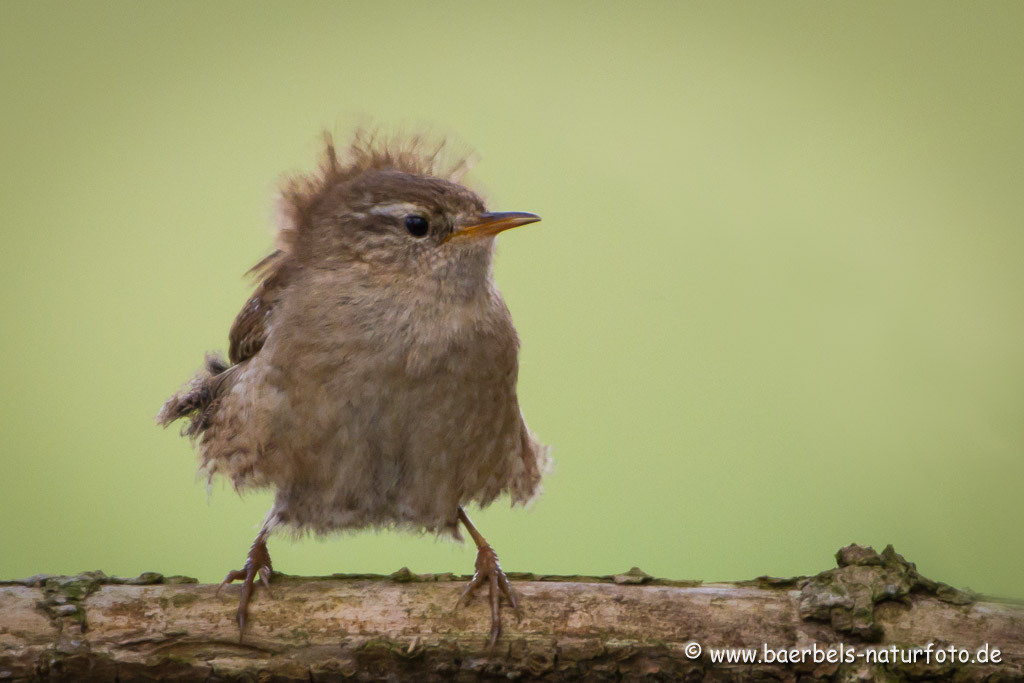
[{"x": 372, "y": 374}]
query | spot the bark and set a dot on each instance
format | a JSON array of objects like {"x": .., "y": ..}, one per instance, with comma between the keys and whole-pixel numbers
[{"x": 94, "y": 627}]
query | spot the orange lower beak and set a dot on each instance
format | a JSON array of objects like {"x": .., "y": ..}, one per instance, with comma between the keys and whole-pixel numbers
[{"x": 490, "y": 224}]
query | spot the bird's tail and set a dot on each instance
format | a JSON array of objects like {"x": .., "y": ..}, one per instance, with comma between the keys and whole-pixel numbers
[{"x": 198, "y": 399}]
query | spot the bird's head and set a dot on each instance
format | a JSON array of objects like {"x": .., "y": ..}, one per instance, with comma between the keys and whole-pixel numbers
[{"x": 394, "y": 208}]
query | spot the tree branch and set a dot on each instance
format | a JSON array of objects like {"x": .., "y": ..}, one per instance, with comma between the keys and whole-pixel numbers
[{"x": 94, "y": 627}]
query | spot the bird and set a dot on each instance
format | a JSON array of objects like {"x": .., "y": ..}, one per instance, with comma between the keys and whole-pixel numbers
[{"x": 371, "y": 378}]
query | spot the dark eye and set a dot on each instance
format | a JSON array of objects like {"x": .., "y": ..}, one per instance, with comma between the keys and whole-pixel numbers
[{"x": 416, "y": 225}]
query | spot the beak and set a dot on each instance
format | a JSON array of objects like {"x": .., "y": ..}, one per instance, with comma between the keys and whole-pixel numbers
[{"x": 490, "y": 224}]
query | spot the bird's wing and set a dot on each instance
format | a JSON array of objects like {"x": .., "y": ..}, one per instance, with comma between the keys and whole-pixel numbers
[{"x": 249, "y": 331}]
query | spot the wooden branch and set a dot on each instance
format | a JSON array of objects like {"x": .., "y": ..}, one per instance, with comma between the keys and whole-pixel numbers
[{"x": 93, "y": 627}]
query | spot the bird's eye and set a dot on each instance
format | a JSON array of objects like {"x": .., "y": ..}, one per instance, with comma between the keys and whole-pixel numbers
[{"x": 416, "y": 225}]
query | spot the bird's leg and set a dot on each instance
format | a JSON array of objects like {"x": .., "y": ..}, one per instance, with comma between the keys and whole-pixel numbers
[
  {"x": 256, "y": 564},
  {"x": 487, "y": 571}
]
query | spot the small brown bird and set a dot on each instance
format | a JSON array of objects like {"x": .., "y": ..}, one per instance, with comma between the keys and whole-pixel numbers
[{"x": 371, "y": 377}]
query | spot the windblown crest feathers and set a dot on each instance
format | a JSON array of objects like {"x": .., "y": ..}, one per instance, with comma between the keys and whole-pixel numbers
[{"x": 418, "y": 154}]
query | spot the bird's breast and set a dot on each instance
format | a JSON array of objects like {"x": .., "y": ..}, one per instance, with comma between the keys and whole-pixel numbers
[{"x": 374, "y": 341}]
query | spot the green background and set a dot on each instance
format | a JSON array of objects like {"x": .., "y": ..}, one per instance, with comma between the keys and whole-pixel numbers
[{"x": 774, "y": 307}]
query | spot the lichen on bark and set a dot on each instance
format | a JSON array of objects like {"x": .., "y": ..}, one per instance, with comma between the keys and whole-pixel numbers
[{"x": 847, "y": 595}]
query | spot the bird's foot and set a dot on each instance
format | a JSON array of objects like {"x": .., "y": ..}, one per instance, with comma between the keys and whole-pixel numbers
[
  {"x": 257, "y": 564},
  {"x": 489, "y": 572}
]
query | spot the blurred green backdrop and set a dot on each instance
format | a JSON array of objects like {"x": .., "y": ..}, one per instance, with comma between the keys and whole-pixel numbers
[{"x": 775, "y": 305}]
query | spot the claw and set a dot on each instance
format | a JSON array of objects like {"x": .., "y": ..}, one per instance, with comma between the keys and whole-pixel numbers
[
  {"x": 467, "y": 593},
  {"x": 495, "y": 612},
  {"x": 232, "y": 576},
  {"x": 265, "y": 579}
]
